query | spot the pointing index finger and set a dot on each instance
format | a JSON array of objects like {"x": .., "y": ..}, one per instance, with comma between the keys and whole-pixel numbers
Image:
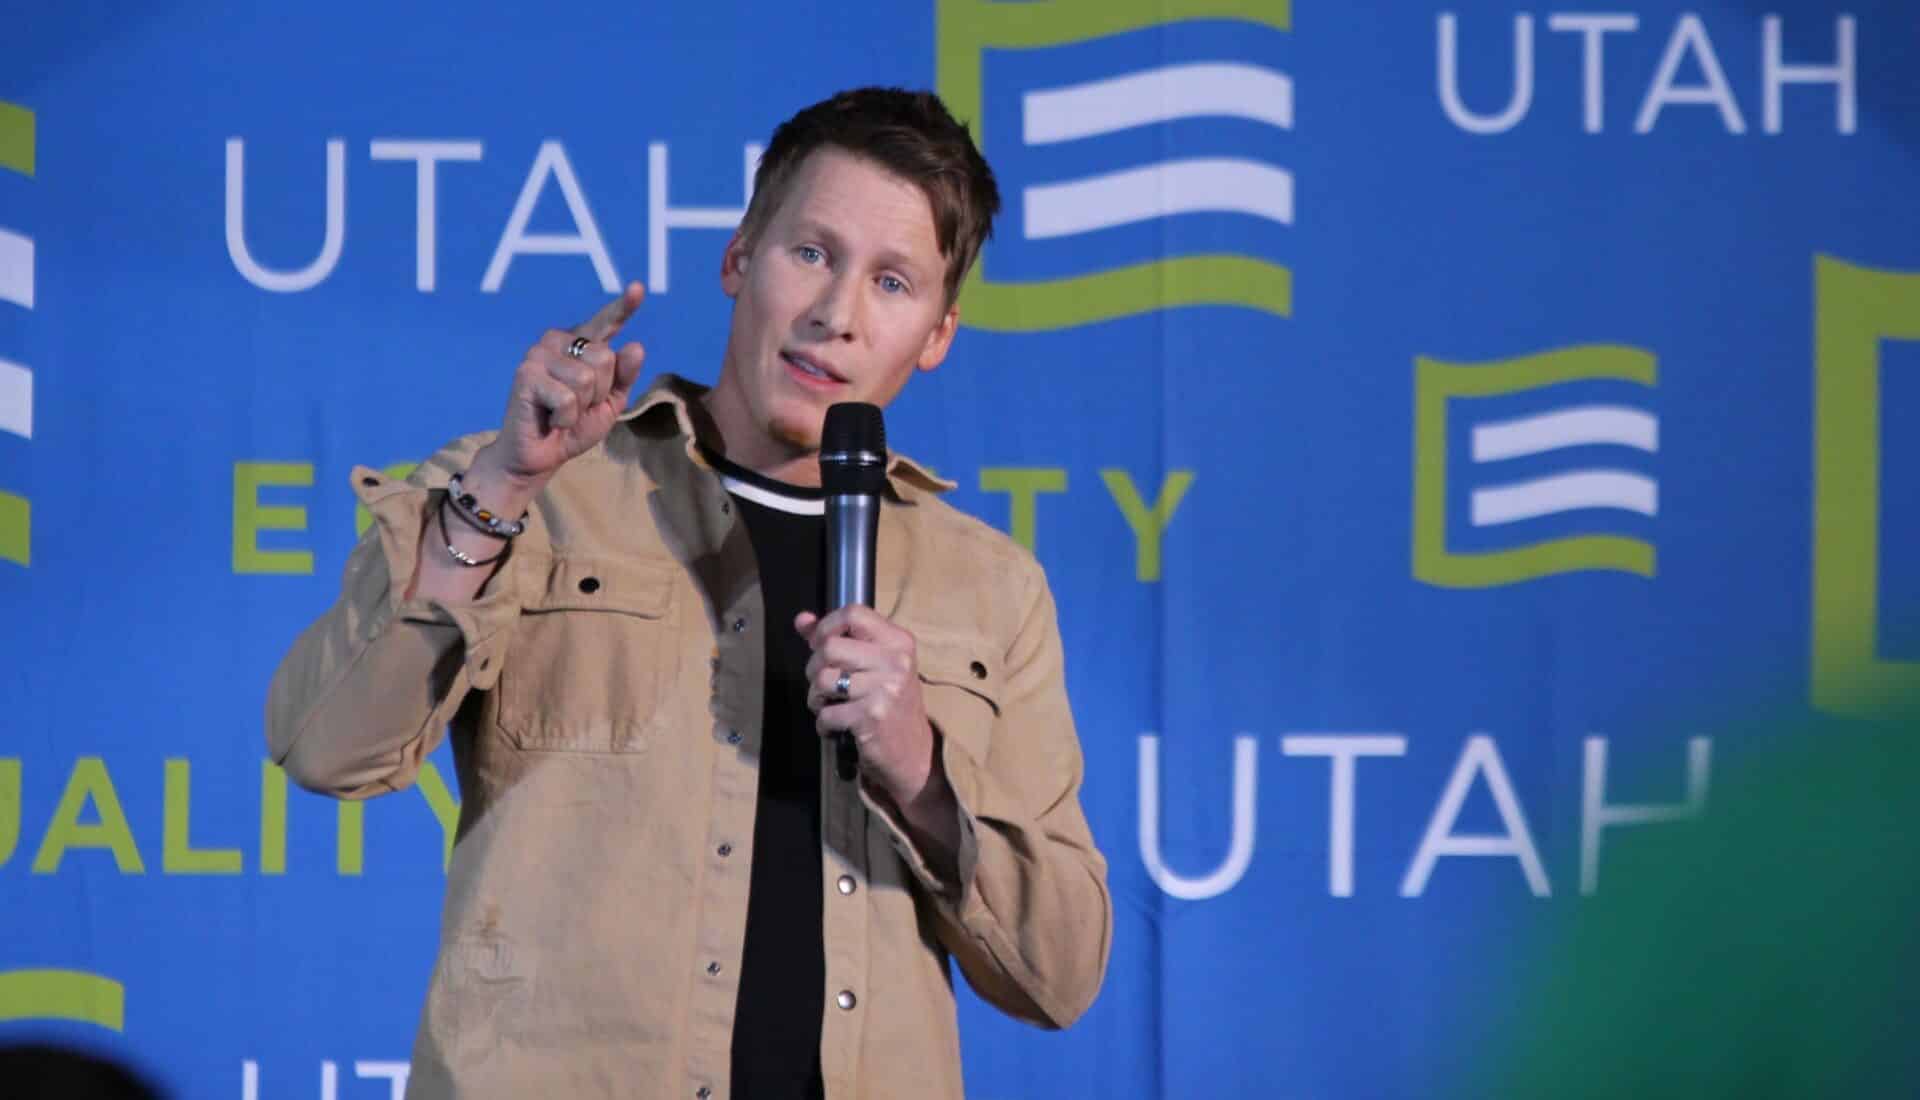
[{"x": 602, "y": 325}]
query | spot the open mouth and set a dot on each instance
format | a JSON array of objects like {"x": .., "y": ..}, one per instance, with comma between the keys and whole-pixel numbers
[{"x": 810, "y": 370}]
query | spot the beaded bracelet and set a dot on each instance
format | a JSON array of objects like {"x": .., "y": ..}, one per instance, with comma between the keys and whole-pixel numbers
[
  {"x": 473, "y": 524},
  {"x": 454, "y": 552},
  {"x": 484, "y": 521}
]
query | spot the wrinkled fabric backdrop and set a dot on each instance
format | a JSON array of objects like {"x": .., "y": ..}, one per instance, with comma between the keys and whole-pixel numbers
[{"x": 1438, "y": 425}]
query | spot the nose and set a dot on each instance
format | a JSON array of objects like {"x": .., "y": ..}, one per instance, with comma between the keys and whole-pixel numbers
[{"x": 835, "y": 310}]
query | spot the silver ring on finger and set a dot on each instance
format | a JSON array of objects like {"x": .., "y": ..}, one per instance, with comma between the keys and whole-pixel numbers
[
  {"x": 577, "y": 349},
  {"x": 843, "y": 687}
]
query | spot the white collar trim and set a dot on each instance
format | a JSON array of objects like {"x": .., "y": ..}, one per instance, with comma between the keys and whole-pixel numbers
[{"x": 779, "y": 502}]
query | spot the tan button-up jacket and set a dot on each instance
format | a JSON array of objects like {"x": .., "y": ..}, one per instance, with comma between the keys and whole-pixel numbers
[{"x": 604, "y": 696}]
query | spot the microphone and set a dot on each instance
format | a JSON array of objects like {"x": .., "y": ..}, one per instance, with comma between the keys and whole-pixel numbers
[{"x": 853, "y": 467}]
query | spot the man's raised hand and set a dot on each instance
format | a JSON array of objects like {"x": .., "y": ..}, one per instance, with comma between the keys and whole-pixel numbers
[{"x": 561, "y": 406}]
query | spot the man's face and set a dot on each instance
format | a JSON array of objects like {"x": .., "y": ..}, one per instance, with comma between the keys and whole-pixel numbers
[{"x": 840, "y": 297}]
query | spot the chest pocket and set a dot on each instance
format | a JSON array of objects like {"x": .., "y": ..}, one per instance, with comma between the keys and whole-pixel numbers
[
  {"x": 961, "y": 681},
  {"x": 593, "y": 658}
]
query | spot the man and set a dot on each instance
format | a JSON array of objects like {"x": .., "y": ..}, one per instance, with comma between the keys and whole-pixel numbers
[{"x": 657, "y": 888}]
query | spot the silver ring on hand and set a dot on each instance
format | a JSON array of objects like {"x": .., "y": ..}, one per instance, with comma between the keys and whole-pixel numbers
[
  {"x": 844, "y": 685},
  {"x": 578, "y": 347}
]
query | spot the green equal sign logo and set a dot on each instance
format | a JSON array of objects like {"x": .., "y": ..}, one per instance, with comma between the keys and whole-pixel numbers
[
  {"x": 16, "y": 288},
  {"x": 1065, "y": 119},
  {"x": 74, "y": 995},
  {"x": 1554, "y": 444}
]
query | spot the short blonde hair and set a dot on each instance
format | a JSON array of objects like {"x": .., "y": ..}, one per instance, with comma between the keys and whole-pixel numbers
[{"x": 908, "y": 133}]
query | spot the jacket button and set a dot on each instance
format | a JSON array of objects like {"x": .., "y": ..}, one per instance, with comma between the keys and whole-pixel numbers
[
  {"x": 589, "y": 584},
  {"x": 713, "y": 968},
  {"x": 702, "y": 1092},
  {"x": 733, "y": 737},
  {"x": 846, "y": 999},
  {"x": 739, "y": 625},
  {"x": 845, "y": 885},
  {"x": 979, "y": 670},
  {"x": 726, "y": 850}
]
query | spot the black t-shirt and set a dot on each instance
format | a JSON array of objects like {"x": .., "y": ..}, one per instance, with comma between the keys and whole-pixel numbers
[{"x": 783, "y": 971}]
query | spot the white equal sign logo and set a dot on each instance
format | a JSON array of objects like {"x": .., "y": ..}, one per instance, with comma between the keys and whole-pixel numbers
[
  {"x": 1170, "y": 93},
  {"x": 1545, "y": 433}
]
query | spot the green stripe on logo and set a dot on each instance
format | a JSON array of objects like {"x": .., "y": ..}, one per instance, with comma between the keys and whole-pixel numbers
[
  {"x": 16, "y": 138},
  {"x": 16, "y": 528},
  {"x": 1121, "y": 292},
  {"x": 63, "y": 995}
]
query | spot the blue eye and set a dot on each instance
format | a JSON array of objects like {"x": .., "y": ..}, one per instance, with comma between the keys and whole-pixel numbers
[
  {"x": 892, "y": 285},
  {"x": 809, "y": 254}
]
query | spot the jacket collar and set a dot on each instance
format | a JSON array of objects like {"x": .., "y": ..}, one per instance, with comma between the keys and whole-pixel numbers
[{"x": 671, "y": 396}]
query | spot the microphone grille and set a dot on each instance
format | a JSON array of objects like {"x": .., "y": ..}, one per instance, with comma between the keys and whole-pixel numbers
[
  {"x": 851, "y": 427},
  {"x": 853, "y": 449}
]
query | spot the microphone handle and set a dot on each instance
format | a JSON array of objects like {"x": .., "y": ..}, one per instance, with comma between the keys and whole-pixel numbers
[
  {"x": 853, "y": 539},
  {"x": 846, "y": 756}
]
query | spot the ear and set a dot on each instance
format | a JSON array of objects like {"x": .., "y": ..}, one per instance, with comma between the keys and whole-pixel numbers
[
  {"x": 939, "y": 340},
  {"x": 733, "y": 264}
]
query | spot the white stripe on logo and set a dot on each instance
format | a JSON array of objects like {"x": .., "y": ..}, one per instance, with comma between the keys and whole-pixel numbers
[
  {"x": 16, "y": 269},
  {"x": 1157, "y": 95},
  {"x": 1565, "y": 493},
  {"x": 16, "y": 399},
  {"x": 1575, "y": 427},
  {"x": 1202, "y": 185}
]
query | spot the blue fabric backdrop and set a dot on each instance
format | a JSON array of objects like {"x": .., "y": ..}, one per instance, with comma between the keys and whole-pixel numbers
[{"x": 1435, "y": 423}]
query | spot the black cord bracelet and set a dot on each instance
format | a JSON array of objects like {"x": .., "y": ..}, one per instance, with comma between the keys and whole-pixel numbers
[{"x": 454, "y": 552}]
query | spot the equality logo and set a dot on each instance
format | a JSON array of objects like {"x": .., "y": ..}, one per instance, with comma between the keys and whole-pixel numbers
[
  {"x": 1529, "y": 467},
  {"x": 16, "y": 288},
  {"x": 1860, "y": 316},
  {"x": 1134, "y": 140},
  {"x": 74, "y": 995}
]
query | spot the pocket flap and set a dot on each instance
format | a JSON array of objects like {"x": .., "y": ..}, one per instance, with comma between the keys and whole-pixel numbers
[
  {"x": 587, "y": 583},
  {"x": 961, "y": 662}
]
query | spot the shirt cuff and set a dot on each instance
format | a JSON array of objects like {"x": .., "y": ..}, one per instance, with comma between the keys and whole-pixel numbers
[
  {"x": 963, "y": 778},
  {"x": 402, "y": 512}
]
